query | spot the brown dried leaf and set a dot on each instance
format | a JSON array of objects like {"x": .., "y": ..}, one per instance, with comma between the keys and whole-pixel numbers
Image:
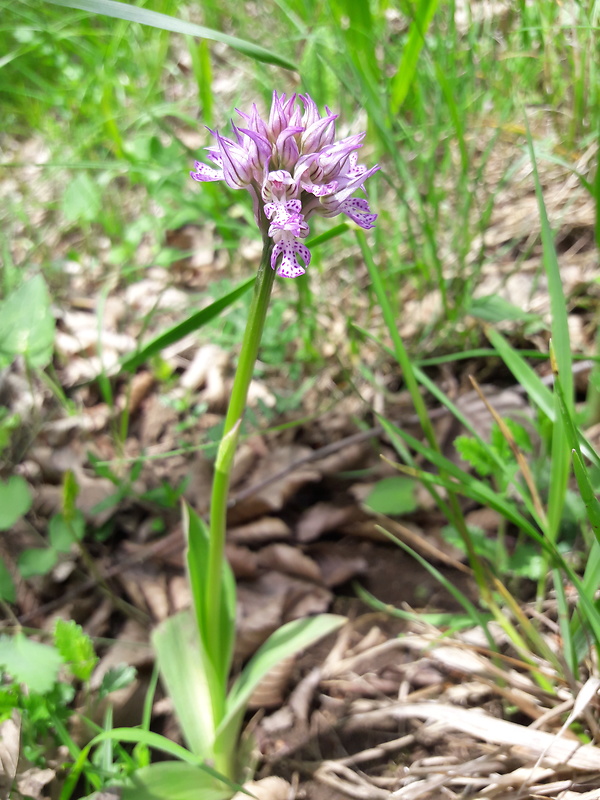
[
  {"x": 271, "y": 788},
  {"x": 207, "y": 368},
  {"x": 31, "y": 783},
  {"x": 260, "y": 612},
  {"x": 154, "y": 591},
  {"x": 335, "y": 567},
  {"x": 141, "y": 384},
  {"x": 261, "y": 530},
  {"x": 270, "y": 692},
  {"x": 242, "y": 561},
  {"x": 351, "y": 457},
  {"x": 180, "y": 593},
  {"x": 267, "y": 603},
  {"x": 132, "y": 647},
  {"x": 291, "y": 560},
  {"x": 274, "y": 496},
  {"x": 323, "y": 517},
  {"x": 10, "y": 742},
  {"x": 157, "y": 421}
]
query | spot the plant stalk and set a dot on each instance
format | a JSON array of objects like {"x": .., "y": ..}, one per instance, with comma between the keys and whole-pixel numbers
[{"x": 237, "y": 404}]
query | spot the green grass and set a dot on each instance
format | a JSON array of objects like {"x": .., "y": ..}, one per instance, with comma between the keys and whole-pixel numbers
[{"x": 112, "y": 112}]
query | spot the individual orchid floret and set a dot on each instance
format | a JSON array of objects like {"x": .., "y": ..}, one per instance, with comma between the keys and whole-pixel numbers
[{"x": 294, "y": 168}]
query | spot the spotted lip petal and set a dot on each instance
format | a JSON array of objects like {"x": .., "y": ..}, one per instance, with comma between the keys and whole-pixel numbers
[
  {"x": 357, "y": 208},
  {"x": 289, "y": 250},
  {"x": 286, "y": 217},
  {"x": 294, "y": 169}
]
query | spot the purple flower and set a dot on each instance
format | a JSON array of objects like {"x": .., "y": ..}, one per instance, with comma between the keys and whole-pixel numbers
[{"x": 293, "y": 168}]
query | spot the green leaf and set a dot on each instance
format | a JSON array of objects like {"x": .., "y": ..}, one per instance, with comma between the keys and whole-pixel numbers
[
  {"x": 165, "y": 22},
  {"x": 287, "y": 641},
  {"x": 494, "y": 308},
  {"x": 63, "y": 534},
  {"x": 519, "y": 433},
  {"x": 27, "y": 324},
  {"x": 189, "y": 325},
  {"x": 15, "y": 500},
  {"x": 475, "y": 454},
  {"x": 76, "y": 648},
  {"x": 70, "y": 492},
  {"x": 531, "y": 382},
  {"x": 82, "y": 200},
  {"x": 7, "y": 587},
  {"x": 116, "y": 678},
  {"x": 392, "y": 496},
  {"x": 485, "y": 547},
  {"x": 198, "y": 538},
  {"x": 36, "y": 561},
  {"x": 32, "y": 663},
  {"x": 173, "y": 780},
  {"x": 189, "y": 680},
  {"x": 527, "y": 562}
]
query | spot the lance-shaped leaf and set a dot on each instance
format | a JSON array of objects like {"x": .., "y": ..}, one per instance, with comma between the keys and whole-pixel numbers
[
  {"x": 189, "y": 679},
  {"x": 287, "y": 641}
]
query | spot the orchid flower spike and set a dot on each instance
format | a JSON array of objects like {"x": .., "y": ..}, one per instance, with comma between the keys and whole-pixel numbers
[{"x": 293, "y": 168}]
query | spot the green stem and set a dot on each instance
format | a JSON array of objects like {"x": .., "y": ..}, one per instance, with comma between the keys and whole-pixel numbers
[{"x": 226, "y": 451}]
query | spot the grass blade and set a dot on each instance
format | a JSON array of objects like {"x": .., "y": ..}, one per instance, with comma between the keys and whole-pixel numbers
[
  {"x": 407, "y": 68},
  {"x": 177, "y": 332},
  {"x": 165, "y": 22},
  {"x": 561, "y": 456}
]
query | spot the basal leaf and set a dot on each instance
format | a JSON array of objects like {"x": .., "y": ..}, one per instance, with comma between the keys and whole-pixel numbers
[
  {"x": 287, "y": 641},
  {"x": 188, "y": 679},
  {"x": 174, "y": 780}
]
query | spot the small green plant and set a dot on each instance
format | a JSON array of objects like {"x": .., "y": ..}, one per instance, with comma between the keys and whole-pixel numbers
[{"x": 40, "y": 684}]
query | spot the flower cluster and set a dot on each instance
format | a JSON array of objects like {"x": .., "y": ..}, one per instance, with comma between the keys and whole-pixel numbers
[{"x": 293, "y": 168}]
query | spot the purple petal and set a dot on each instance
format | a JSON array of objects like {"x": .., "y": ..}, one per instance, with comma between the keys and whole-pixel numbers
[
  {"x": 214, "y": 156},
  {"x": 357, "y": 208},
  {"x": 277, "y": 116},
  {"x": 286, "y": 149},
  {"x": 319, "y": 134},
  {"x": 288, "y": 108},
  {"x": 311, "y": 111},
  {"x": 289, "y": 250},
  {"x": 320, "y": 189},
  {"x": 263, "y": 145},
  {"x": 235, "y": 164},
  {"x": 354, "y": 183},
  {"x": 204, "y": 173},
  {"x": 286, "y": 217}
]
